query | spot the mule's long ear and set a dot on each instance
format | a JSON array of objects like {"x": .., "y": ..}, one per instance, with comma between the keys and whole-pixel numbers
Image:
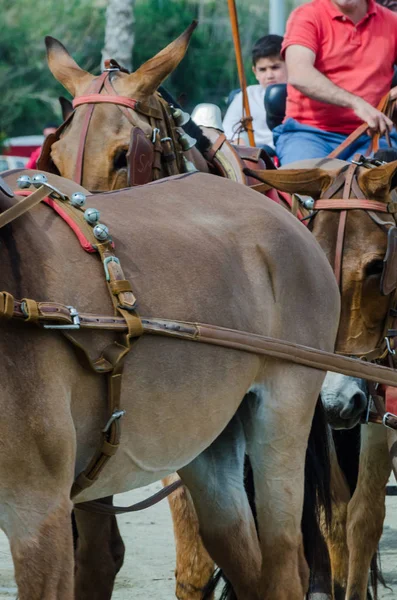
[
  {"x": 153, "y": 72},
  {"x": 309, "y": 182},
  {"x": 64, "y": 68},
  {"x": 379, "y": 182}
]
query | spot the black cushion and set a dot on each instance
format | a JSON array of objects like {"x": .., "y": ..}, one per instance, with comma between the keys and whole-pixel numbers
[
  {"x": 394, "y": 80},
  {"x": 275, "y": 104}
]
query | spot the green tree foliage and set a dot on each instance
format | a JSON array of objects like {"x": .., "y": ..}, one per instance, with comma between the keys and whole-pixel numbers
[
  {"x": 208, "y": 72},
  {"x": 29, "y": 93}
]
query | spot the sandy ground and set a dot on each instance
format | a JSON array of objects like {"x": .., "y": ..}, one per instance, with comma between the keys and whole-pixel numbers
[{"x": 148, "y": 571}]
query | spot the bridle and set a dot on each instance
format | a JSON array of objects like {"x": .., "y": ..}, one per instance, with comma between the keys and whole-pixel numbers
[
  {"x": 353, "y": 199},
  {"x": 162, "y": 150}
]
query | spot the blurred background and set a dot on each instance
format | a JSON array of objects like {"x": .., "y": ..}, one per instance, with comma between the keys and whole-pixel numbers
[{"x": 131, "y": 31}]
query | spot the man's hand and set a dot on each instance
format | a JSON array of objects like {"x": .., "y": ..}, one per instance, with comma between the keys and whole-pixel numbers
[
  {"x": 377, "y": 121},
  {"x": 393, "y": 93}
]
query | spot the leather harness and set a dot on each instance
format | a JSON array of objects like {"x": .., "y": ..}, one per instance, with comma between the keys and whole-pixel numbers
[{"x": 161, "y": 153}]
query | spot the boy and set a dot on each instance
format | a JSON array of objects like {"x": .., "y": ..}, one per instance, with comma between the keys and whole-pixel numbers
[{"x": 268, "y": 68}]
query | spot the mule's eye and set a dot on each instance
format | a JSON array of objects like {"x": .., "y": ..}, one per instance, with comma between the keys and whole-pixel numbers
[
  {"x": 120, "y": 159},
  {"x": 375, "y": 267}
]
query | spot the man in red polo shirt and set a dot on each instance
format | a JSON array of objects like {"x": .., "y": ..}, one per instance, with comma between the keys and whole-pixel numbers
[{"x": 340, "y": 56}]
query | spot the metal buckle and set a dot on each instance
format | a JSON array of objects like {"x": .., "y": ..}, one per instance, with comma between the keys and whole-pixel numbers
[
  {"x": 105, "y": 265},
  {"x": 75, "y": 321},
  {"x": 389, "y": 348},
  {"x": 116, "y": 415},
  {"x": 111, "y": 69},
  {"x": 156, "y": 130},
  {"x": 388, "y": 414},
  {"x": 55, "y": 193}
]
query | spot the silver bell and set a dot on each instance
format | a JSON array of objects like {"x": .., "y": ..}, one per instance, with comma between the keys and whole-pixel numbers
[
  {"x": 187, "y": 141},
  {"x": 309, "y": 203},
  {"x": 180, "y": 117},
  {"x": 91, "y": 215},
  {"x": 101, "y": 232},
  {"x": 189, "y": 166},
  {"x": 39, "y": 179},
  {"x": 24, "y": 182},
  {"x": 77, "y": 199}
]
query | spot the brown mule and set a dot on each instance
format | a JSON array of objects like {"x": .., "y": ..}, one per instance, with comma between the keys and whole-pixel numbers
[
  {"x": 105, "y": 166},
  {"x": 360, "y": 332},
  {"x": 228, "y": 262}
]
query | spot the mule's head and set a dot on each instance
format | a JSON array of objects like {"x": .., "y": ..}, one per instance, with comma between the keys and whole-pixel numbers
[
  {"x": 109, "y": 131},
  {"x": 364, "y": 307},
  {"x": 344, "y": 400}
]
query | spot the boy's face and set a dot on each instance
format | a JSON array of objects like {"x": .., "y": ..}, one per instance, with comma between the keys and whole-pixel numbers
[{"x": 270, "y": 70}]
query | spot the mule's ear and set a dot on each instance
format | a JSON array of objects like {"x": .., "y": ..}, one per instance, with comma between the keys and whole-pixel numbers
[
  {"x": 64, "y": 68},
  {"x": 309, "y": 182},
  {"x": 66, "y": 107},
  {"x": 153, "y": 72},
  {"x": 380, "y": 181}
]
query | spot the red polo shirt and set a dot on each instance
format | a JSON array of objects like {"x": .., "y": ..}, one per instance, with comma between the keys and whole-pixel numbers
[{"x": 358, "y": 58}]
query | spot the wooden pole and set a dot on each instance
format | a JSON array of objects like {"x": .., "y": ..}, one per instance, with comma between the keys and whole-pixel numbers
[{"x": 240, "y": 68}]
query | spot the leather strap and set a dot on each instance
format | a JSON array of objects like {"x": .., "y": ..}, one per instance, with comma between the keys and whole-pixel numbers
[
  {"x": 136, "y": 105},
  {"x": 339, "y": 248},
  {"x": 351, "y": 204},
  {"x": 382, "y": 106},
  {"x": 384, "y": 395},
  {"x": 247, "y": 342},
  {"x": 23, "y": 206},
  {"x": 107, "y": 509},
  {"x": 96, "y": 85},
  {"x": 217, "y": 145}
]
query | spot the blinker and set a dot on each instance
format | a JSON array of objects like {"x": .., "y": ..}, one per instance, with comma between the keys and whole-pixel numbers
[{"x": 388, "y": 282}]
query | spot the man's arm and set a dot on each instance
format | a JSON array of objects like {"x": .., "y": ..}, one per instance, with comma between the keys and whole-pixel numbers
[{"x": 303, "y": 75}]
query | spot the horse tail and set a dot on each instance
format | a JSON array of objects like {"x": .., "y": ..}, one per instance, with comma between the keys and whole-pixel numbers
[{"x": 316, "y": 508}]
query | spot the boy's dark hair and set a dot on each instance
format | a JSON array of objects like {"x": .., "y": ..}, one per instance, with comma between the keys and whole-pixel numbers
[{"x": 268, "y": 45}]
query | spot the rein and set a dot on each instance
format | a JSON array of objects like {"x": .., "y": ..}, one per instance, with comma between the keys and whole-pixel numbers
[{"x": 386, "y": 105}]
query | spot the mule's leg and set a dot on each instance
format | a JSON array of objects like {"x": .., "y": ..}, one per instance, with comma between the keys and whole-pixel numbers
[
  {"x": 278, "y": 424},
  {"x": 366, "y": 510},
  {"x": 99, "y": 555},
  {"x": 194, "y": 566},
  {"x": 216, "y": 482},
  {"x": 36, "y": 471},
  {"x": 43, "y": 554},
  {"x": 336, "y": 536}
]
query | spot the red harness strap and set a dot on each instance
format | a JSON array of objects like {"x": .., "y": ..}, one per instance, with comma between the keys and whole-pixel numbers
[
  {"x": 84, "y": 242},
  {"x": 110, "y": 99},
  {"x": 95, "y": 87}
]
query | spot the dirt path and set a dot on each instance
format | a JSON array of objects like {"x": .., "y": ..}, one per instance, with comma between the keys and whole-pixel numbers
[{"x": 148, "y": 571}]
